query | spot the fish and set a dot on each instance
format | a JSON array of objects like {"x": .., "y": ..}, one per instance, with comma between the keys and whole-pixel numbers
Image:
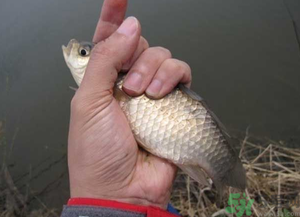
[{"x": 179, "y": 127}]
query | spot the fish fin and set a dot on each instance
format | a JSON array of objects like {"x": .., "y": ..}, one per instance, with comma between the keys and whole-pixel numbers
[
  {"x": 196, "y": 173},
  {"x": 196, "y": 97},
  {"x": 141, "y": 144},
  {"x": 120, "y": 95},
  {"x": 190, "y": 93},
  {"x": 73, "y": 88},
  {"x": 220, "y": 190},
  {"x": 236, "y": 176}
]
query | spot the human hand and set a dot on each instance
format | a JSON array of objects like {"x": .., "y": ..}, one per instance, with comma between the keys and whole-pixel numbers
[{"x": 104, "y": 158}]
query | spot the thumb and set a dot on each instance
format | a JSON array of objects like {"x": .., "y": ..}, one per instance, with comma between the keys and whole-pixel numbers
[{"x": 108, "y": 56}]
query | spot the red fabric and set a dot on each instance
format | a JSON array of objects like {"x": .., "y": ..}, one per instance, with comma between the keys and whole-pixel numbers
[{"x": 148, "y": 210}]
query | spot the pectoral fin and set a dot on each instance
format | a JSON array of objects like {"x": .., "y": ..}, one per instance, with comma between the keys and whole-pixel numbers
[
  {"x": 120, "y": 95},
  {"x": 195, "y": 96},
  {"x": 73, "y": 88}
]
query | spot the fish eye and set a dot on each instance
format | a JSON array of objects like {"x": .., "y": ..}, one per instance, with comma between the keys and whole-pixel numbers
[{"x": 84, "y": 51}]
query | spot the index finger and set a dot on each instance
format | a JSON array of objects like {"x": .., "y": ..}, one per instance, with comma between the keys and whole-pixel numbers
[{"x": 112, "y": 15}]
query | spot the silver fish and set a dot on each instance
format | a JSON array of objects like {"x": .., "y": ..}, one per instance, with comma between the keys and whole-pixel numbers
[{"x": 178, "y": 127}]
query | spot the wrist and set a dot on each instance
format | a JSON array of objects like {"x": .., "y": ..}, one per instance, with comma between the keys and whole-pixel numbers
[
  {"x": 150, "y": 211},
  {"x": 142, "y": 202},
  {"x": 134, "y": 201},
  {"x": 122, "y": 195}
]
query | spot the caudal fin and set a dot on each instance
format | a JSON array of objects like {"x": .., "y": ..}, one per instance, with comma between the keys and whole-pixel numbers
[{"x": 236, "y": 176}]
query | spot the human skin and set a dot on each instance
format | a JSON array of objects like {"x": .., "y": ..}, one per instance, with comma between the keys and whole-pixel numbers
[{"x": 104, "y": 159}]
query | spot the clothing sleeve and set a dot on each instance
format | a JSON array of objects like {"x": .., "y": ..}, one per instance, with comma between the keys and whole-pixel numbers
[{"x": 84, "y": 207}]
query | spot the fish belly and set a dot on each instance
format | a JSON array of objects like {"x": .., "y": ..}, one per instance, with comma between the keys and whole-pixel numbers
[{"x": 177, "y": 128}]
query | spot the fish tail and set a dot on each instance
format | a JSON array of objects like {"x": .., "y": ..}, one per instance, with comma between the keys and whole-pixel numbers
[{"x": 236, "y": 176}]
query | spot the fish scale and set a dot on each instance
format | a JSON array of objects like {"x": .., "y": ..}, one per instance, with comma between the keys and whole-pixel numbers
[
  {"x": 185, "y": 134},
  {"x": 179, "y": 127},
  {"x": 165, "y": 139}
]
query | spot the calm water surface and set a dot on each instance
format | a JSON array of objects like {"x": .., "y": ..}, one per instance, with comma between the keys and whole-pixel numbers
[{"x": 244, "y": 56}]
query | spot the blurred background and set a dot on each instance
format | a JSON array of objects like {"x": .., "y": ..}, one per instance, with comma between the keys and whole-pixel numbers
[{"x": 245, "y": 58}]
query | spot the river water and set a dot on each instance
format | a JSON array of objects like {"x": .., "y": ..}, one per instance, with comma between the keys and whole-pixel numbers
[{"x": 244, "y": 55}]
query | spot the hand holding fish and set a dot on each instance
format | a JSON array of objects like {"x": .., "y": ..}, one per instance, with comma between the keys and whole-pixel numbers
[
  {"x": 152, "y": 106},
  {"x": 104, "y": 158}
]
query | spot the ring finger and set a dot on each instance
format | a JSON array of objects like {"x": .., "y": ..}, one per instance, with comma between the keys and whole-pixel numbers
[
  {"x": 169, "y": 75},
  {"x": 144, "y": 69}
]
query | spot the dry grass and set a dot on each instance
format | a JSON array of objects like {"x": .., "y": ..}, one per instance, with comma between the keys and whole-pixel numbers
[
  {"x": 273, "y": 173},
  {"x": 272, "y": 170},
  {"x": 13, "y": 202}
]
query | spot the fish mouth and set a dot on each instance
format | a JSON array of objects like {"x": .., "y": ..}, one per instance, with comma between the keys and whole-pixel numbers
[{"x": 67, "y": 49}]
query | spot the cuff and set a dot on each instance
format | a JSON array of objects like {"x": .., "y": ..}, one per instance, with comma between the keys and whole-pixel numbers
[{"x": 115, "y": 206}]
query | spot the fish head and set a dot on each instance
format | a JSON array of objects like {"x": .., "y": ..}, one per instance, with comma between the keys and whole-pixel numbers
[{"x": 77, "y": 55}]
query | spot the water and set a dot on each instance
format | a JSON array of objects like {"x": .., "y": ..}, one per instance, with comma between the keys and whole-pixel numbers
[{"x": 244, "y": 56}]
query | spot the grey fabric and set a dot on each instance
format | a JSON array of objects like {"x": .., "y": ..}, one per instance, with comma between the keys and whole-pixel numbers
[{"x": 95, "y": 211}]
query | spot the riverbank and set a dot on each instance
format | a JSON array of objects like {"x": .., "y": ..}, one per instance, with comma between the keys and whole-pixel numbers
[
  {"x": 18, "y": 200},
  {"x": 273, "y": 173}
]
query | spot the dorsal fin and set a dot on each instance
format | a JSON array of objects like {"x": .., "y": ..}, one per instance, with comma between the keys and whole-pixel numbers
[
  {"x": 236, "y": 176},
  {"x": 195, "y": 96}
]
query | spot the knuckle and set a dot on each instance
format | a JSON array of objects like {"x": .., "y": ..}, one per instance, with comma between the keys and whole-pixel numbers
[
  {"x": 181, "y": 70},
  {"x": 142, "y": 68},
  {"x": 144, "y": 43},
  {"x": 186, "y": 71},
  {"x": 186, "y": 67},
  {"x": 107, "y": 54},
  {"x": 102, "y": 50},
  {"x": 161, "y": 51},
  {"x": 177, "y": 66},
  {"x": 172, "y": 65}
]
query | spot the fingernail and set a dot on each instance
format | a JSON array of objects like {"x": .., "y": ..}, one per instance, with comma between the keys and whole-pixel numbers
[
  {"x": 133, "y": 82},
  {"x": 154, "y": 88},
  {"x": 128, "y": 27}
]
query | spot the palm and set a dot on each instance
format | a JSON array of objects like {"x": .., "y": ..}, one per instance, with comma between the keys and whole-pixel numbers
[{"x": 142, "y": 175}]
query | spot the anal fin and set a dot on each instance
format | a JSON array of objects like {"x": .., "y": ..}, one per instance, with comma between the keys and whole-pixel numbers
[{"x": 196, "y": 173}]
